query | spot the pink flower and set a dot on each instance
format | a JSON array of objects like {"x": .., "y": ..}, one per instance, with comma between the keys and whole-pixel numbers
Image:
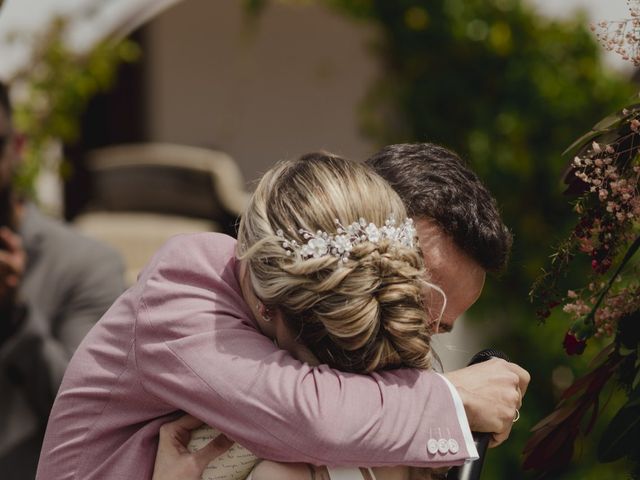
[{"x": 586, "y": 245}]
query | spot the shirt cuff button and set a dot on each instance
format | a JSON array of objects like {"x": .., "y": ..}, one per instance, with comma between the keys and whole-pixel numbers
[
  {"x": 432, "y": 446},
  {"x": 453, "y": 446},
  {"x": 443, "y": 446}
]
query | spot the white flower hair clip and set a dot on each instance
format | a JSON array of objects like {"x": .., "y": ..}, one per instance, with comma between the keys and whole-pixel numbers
[{"x": 321, "y": 244}]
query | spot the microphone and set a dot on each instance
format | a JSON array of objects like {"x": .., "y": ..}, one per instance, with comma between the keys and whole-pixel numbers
[{"x": 472, "y": 470}]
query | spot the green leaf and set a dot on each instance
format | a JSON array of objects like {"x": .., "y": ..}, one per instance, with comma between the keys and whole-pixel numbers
[
  {"x": 624, "y": 351},
  {"x": 622, "y": 435},
  {"x": 636, "y": 381},
  {"x": 581, "y": 141},
  {"x": 608, "y": 122},
  {"x": 605, "y": 127}
]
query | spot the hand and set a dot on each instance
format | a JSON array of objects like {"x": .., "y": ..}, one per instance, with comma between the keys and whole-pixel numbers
[
  {"x": 13, "y": 260},
  {"x": 173, "y": 460},
  {"x": 491, "y": 392}
]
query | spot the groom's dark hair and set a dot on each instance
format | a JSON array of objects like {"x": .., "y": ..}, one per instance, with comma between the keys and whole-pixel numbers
[{"x": 434, "y": 182}]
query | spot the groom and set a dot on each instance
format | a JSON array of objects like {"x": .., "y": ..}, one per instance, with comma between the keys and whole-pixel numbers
[{"x": 462, "y": 238}]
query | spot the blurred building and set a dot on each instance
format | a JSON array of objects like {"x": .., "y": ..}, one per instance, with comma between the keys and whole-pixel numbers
[{"x": 261, "y": 90}]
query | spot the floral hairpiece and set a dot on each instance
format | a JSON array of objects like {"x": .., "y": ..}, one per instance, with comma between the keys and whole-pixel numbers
[{"x": 322, "y": 244}]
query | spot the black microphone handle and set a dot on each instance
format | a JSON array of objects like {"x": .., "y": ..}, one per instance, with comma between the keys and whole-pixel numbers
[{"x": 473, "y": 470}]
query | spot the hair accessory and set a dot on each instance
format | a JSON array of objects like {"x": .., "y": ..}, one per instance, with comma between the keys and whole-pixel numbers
[{"x": 322, "y": 244}]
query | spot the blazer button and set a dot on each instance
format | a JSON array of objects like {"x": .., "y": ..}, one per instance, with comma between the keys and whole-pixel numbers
[
  {"x": 443, "y": 446},
  {"x": 432, "y": 446},
  {"x": 453, "y": 446}
]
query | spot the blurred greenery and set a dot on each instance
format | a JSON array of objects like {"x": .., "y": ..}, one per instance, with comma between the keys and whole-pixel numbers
[
  {"x": 509, "y": 90},
  {"x": 54, "y": 90}
]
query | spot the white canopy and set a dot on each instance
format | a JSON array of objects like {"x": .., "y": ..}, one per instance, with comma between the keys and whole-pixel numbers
[
  {"x": 107, "y": 18},
  {"x": 120, "y": 17}
]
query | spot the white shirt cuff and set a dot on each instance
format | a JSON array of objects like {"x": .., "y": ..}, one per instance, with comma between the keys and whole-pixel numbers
[{"x": 462, "y": 420}]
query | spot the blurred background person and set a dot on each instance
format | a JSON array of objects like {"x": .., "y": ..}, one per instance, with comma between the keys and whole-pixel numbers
[{"x": 54, "y": 285}]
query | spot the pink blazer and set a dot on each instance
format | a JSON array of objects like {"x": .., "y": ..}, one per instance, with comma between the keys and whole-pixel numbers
[{"x": 183, "y": 339}]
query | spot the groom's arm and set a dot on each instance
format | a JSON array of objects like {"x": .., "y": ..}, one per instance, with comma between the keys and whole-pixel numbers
[
  {"x": 233, "y": 377},
  {"x": 283, "y": 410}
]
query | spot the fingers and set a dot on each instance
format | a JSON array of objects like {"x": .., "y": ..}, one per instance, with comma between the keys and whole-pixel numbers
[
  {"x": 520, "y": 397},
  {"x": 178, "y": 432},
  {"x": 499, "y": 438},
  {"x": 173, "y": 460},
  {"x": 172, "y": 438},
  {"x": 12, "y": 258},
  {"x": 518, "y": 376},
  {"x": 523, "y": 376},
  {"x": 11, "y": 241},
  {"x": 212, "y": 450},
  {"x": 502, "y": 434},
  {"x": 510, "y": 383},
  {"x": 175, "y": 436},
  {"x": 187, "y": 421},
  {"x": 10, "y": 261},
  {"x": 491, "y": 392},
  {"x": 11, "y": 281}
]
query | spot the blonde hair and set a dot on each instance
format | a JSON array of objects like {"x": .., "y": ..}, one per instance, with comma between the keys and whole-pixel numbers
[{"x": 361, "y": 315}]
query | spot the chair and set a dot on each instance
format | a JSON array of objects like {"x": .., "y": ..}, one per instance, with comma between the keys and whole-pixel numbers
[{"x": 142, "y": 194}]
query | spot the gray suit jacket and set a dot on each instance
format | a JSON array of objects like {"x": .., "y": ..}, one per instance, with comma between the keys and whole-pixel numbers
[{"x": 69, "y": 282}]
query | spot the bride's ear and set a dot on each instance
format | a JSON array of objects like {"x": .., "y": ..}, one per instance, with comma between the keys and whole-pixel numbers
[{"x": 268, "y": 313}]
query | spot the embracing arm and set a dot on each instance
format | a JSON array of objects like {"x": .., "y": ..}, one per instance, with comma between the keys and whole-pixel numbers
[{"x": 197, "y": 350}]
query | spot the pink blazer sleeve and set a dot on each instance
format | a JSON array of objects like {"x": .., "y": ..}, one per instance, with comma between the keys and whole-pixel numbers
[{"x": 197, "y": 349}]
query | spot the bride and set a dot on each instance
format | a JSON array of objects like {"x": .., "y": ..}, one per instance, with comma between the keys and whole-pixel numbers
[{"x": 332, "y": 271}]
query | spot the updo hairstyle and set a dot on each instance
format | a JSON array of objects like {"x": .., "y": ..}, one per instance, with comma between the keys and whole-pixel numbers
[{"x": 361, "y": 315}]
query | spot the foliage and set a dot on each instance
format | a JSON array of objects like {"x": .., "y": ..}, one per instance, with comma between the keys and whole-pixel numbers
[
  {"x": 509, "y": 90},
  {"x": 605, "y": 174},
  {"x": 53, "y": 90}
]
